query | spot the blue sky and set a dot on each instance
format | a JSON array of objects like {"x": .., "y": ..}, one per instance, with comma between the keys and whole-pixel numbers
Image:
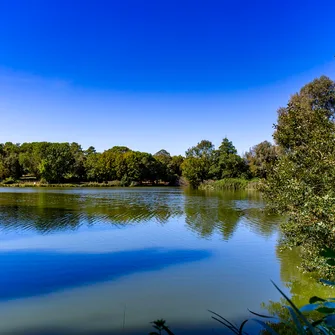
[{"x": 156, "y": 74}]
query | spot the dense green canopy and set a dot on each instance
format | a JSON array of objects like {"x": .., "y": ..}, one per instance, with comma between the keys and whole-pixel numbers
[
  {"x": 302, "y": 182},
  {"x": 68, "y": 162}
]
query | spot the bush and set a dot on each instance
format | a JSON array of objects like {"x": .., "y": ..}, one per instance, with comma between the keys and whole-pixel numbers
[
  {"x": 8, "y": 181},
  {"x": 229, "y": 184}
]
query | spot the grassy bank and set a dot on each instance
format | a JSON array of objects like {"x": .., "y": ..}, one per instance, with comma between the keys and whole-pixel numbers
[
  {"x": 115, "y": 183},
  {"x": 230, "y": 184}
]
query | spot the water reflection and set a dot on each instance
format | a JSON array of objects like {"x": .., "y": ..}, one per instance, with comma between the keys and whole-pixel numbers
[
  {"x": 301, "y": 286},
  {"x": 205, "y": 213},
  {"x": 211, "y": 212},
  {"x": 50, "y": 211},
  {"x": 72, "y": 269}
]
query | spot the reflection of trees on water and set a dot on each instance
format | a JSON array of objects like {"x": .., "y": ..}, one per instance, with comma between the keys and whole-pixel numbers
[
  {"x": 210, "y": 212},
  {"x": 48, "y": 212},
  {"x": 302, "y": 286},
  {"x": 205, "y": 213}
]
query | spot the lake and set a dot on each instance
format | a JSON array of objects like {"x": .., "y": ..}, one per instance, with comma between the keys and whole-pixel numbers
[{"x": 109, "y": 261}]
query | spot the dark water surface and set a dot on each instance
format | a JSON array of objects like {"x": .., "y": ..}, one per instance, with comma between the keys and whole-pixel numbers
[{"x": 109, "y": 261}]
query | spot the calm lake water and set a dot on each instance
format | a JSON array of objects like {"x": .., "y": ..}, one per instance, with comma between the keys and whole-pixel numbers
[{"x": 109, "y": 261}]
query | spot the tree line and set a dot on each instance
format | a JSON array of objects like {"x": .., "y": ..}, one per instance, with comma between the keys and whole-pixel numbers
[{"x": 69, "y": 162}]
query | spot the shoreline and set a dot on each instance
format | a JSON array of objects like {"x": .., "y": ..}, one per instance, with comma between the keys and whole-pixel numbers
[{"x": 80, "y": 185}]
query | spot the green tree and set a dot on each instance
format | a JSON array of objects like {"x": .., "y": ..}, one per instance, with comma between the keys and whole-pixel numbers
[
  {"x": 227, "y": 163},
  {"x": 301, "y": 184},
  {"x": 78, "y": 171},
  {"x": 31, "y": 155},
  {"x": 261, "y": 158},
  {"x": 197, "y": 165},
  {"x": 9, "y": 161},
  {"x": 175, "y": 164},
  {"x": 120, "y": 149},
  {"x": 204, "y": 149},
  {"x": 94, "y": 167},
  {"x": 57, "y": 163},
  {"x": 90, "y": 150}
]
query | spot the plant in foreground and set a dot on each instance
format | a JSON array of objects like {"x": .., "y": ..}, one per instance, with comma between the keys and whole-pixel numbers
[
  {"x": 160, "y": 326},
  {"x": 317, "y": 317}
]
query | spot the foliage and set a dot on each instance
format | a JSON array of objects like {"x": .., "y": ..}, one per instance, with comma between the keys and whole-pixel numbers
[
  {"x": 261, "y": 158},
  {"x": 301, "y": 184},
  {"x": 69, "y": 163},
  {"x": 9, "y": 161},
  {"x": 203, "y": 162},
  {"x": 8, "y": 181},
  {"x": 230, "y": 184},
  {"x": 317, "y": 317},
  {"x": 199, "y": 159},
  {"x": 227, "y": 163}
]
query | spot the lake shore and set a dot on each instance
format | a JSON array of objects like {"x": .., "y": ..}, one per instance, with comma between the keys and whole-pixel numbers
[{"x": 82, "y": 184}]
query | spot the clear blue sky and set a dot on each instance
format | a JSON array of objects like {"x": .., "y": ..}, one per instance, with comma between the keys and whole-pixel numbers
[{"x": 156, "y": 74}]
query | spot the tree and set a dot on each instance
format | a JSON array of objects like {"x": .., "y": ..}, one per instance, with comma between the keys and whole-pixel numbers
[
  {"x": 227, "y": 163},
  {"x": 93, "y": 167},
  {"x": 302, "y": 182},
  {"x": 197, "y": 165},
  {"x": 57, "y": 163},
  {"x": 9, "y": 161},
  {"x": 204, "y": 149},
  {"x": 89, "y": 151},
  {"x": 261, "y": 158},
  {"x": 78, "y": 172},
  {"x": 120, "y": 149},
  {"x": 175, "y": 170},
  {"x": 163, "y": 159}
]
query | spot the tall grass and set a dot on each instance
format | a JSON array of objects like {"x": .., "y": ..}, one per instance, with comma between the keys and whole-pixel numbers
[{"x": 230, "y": 184}]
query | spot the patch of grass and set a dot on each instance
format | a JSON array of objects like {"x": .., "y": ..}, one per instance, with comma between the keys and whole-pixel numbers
[{"x": 230, "y": 184}]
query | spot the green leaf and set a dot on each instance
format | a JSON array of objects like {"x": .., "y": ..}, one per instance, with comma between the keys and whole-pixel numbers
[
  {"x": 315, "y": 299},
  {"x": 296, "y": 320},
  {"x": 308, "y": 324}
]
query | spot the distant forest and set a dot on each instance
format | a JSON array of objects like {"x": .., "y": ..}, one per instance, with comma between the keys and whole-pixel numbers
[{"x": 69, "y": 163}]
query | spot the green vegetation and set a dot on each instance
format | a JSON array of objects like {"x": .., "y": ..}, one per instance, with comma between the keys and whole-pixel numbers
[
  {"x": 296, "y": 174},
  {"x": 41, "y": 163},
  {"x": 316, "y": 317},
  {"x": 301, "y": 184},
  {"x": 44, "y": 163},
  {"x": 298, "y": 180},
  {"x": 203, "y": 163},
  {"x": 230, "y": 184}
]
